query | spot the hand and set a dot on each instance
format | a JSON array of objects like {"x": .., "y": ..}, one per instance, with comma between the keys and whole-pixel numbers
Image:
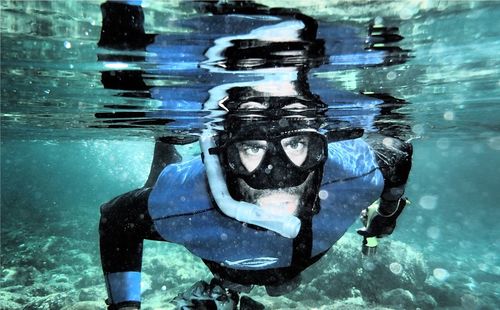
[{"x": 377, "y": 224}]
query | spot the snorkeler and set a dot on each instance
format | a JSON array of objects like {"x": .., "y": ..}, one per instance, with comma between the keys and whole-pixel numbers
[
  {"x": 295, "y": 168},
  {"x": 275, "y": 189}
]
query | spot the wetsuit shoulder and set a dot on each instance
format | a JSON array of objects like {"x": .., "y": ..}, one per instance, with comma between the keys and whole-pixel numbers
[{"x": 180, "y": 188}]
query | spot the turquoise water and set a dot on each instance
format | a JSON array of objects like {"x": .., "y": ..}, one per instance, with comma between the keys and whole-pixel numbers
[{"x": 57, "y": 166}]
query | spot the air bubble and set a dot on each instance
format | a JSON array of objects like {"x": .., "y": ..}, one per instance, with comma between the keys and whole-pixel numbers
[
  {"x": 449, "y": 115},
  {"x": 391, "y": 75},
  {"x": 443, "y": 143},
  {"x": 396, "y": 268},
  {"x": 428, "y": 202},
  {"x": 418, "y": 129},
  {"x": 440, "y": 274},
  {"x": 494, "y": 143},
  {"x": 407, "y": 12},
  {"x": 323, "y": 194},
  {"x": 433, "y": 232}
]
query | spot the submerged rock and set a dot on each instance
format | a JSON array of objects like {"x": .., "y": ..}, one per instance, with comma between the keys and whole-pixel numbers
[
  {"x": 85, "y": 305},
  {"x": 51, "y": 302},
  {"x": 398, "y": 297},
  {"x": 11, "y": 301},
  {"x": 345, "y": 273}
]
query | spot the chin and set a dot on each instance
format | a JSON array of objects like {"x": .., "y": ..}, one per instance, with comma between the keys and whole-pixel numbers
[{"x": 279, "y": 201}]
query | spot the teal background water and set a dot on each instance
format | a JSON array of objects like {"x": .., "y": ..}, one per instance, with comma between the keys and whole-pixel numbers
[{"x": 55, "y": 172}]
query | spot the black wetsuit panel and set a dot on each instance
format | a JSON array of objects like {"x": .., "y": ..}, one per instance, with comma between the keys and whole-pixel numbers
[{"x": 125, "y": 223}]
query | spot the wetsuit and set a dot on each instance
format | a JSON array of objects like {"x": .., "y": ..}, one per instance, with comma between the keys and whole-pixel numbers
[{"x": 355, "y": 175}]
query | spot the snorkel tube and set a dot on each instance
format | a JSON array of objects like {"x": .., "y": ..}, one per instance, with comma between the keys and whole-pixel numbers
[{"x": 288, "y": 225}]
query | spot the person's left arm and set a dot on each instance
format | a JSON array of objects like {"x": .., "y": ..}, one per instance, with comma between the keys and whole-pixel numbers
[{"x": 394, "y": 158}]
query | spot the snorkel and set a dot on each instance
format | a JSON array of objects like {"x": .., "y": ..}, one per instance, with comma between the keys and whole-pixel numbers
[
  {"x": 287, "y": 226},
  {"x": 274, "y": 75}
]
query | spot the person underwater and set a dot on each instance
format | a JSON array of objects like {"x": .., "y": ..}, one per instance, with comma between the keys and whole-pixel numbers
[
  {"x": 277, "y": 184},
  {"x": 283, "y": 160}
]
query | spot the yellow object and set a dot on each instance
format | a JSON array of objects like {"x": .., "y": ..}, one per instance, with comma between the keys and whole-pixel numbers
[{"x": 371, "y": 242}]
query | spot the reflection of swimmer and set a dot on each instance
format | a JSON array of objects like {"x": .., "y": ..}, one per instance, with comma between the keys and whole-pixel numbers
[{"x": 277, "y": 156}]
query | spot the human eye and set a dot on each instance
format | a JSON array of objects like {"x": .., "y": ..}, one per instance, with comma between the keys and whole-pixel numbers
[
  {"x": 295, "y": 143},
  {"x": 252, "y": 148},
  {"x": 296, "y": 149},
  {"x": 251, "y": 153}
]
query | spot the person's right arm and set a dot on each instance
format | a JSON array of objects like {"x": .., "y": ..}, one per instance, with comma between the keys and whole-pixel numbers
[{"x": 124, "y": 224}]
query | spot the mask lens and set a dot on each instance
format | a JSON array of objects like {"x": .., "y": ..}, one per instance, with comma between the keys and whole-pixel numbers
[
  {"x": 250, "y": 153},
  {"x": 296, "y": 149},
  {"x": 305, "y": 150}
]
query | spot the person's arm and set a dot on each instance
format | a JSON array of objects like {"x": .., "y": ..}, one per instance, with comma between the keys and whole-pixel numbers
[
  {"x": 394, "y": 159},
  {"x": 124, "y": 225}
]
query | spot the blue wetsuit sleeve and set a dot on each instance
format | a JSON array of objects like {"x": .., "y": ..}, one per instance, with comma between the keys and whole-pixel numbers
[{"x": 123, "y": 287}]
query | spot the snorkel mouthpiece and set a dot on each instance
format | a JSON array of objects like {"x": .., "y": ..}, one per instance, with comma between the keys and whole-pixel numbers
[{"x": 286, "y": 225}]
